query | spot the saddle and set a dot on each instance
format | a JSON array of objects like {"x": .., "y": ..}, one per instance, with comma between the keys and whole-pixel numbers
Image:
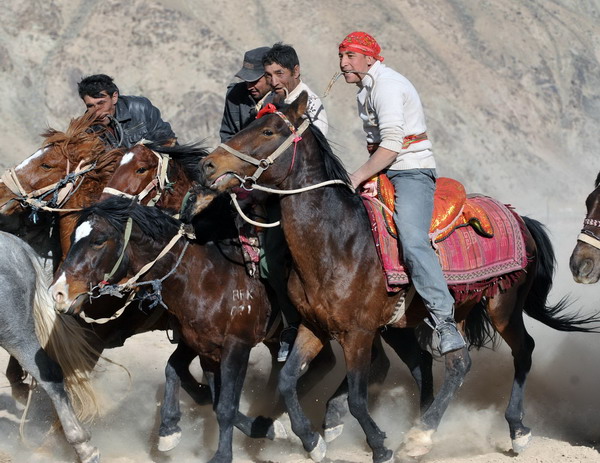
[{"x": 451, "y": 208}]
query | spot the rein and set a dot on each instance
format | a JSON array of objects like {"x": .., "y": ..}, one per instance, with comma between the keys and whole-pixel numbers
[{"x": 119, "y": 290}]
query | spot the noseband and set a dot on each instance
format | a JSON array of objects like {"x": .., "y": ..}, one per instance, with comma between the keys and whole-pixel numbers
[{"x": 588, "y": 236}]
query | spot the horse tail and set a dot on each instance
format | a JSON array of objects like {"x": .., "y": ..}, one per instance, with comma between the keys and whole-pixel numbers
[
  {"x": 536, "y": 303},
  {"x": 64, "y": 340}
]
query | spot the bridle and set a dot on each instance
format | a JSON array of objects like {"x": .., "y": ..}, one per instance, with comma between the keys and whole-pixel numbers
[
  {"x": 249, "y": 183},
  {"x": 263, "y": 164},
  {"x": 120, "y": 290},
  {"x": 160, "y": 182},
  {"x": 61, "y": 190}
]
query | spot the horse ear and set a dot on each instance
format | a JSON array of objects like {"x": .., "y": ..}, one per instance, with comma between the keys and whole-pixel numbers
[{"x": 298, "y": 107}]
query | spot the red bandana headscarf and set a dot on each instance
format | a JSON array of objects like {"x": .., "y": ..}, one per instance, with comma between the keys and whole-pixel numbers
[{"x": 363, "y": 43}]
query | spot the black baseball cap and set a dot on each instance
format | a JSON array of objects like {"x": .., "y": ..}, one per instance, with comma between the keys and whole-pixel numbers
[{"x": 252, "y": 68}]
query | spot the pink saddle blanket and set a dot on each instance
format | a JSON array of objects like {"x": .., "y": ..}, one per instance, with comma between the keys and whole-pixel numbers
[{"x": 466, "y": 256}]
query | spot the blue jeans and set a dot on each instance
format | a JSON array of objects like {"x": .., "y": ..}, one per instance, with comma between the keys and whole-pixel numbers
[{"x": 414, "y": 208}]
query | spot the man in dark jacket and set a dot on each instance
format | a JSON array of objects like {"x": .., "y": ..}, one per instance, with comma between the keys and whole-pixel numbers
[
  {"x": 243, "y": 99},
  {"x": 127, "y": 119}
]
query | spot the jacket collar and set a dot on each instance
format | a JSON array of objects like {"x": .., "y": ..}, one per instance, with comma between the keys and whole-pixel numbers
[{"x": 122, "y": 113}]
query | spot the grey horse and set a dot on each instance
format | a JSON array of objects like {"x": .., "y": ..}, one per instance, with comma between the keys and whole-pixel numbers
[{"x": 28, "y": 322}]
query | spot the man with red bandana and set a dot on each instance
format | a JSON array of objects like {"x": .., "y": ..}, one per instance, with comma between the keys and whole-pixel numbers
[{"x": 394, "y": 123}]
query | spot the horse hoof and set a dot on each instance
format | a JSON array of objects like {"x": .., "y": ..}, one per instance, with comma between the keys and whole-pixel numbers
[
  {"x": 166, "y": 443},
  {"x": 519, "y": 444},
  {"x": 93, "y": 458},
  {"x": 318, "y": 453},
  {"x": 279, "y": 431},
  {"x": 332, "y": 434},
  {"x": 417, "y": 443}
]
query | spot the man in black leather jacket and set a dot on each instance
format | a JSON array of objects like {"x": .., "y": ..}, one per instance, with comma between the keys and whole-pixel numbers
[{"x": 126, "y": 119}]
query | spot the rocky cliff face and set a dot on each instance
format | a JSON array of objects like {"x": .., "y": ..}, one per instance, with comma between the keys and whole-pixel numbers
[{"x": 510, "y": 89}]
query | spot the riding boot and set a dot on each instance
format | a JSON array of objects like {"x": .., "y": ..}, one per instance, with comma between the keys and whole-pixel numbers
[{"x": 450, "y": 338}]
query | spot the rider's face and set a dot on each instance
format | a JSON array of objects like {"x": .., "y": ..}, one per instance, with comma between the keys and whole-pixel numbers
[
  {"x": 282, "y": 80},
  {"x": 351, "y": 61},
  {"x": 258, "y": 88},
  {"x": 103, "y": 106}
]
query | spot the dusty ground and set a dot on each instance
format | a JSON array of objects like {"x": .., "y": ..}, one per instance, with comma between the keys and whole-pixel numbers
[{"x": 472, "y": 431}]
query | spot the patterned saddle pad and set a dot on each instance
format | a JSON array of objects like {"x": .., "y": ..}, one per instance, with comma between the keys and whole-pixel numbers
[{"x": 466, "y": 255}]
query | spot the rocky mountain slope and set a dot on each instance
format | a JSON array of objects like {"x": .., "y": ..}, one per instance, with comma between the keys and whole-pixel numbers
[{"x": 510, "y": 89}]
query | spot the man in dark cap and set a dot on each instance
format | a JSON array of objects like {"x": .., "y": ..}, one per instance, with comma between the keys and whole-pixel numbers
[{"x": 244, "y": 99}]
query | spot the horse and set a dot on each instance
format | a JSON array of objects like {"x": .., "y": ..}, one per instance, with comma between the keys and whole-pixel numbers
[
  {"x": 341, "y": 292},
  {"x": 51, "y": 348},
  {"x": 220, "y": 312},
  {"x": 585, "y": 259},
  {"x": 161, "y": 176}
]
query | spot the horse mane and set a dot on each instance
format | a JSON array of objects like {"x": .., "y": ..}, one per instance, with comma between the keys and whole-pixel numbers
[
  {"x": 597, "y": 181},
  {"x": 187, "y": 156},
  {"x": 334, "y": 168},
  {"x": 79, "y": 134},
  {"x": 153, "y": 222}
]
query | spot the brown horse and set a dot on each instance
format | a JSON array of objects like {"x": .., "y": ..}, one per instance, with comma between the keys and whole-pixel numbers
[
  {"x": 340, "y": 290},
  {"x": 220, "y": 312},
  {"x": 162, "y": 176},
  {"x": 585, "y": 259}
]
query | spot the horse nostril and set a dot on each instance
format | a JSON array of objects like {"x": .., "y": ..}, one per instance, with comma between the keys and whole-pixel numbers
[
  {"x": 208, "y": 167},
  {"x": 586, "y": 267}
]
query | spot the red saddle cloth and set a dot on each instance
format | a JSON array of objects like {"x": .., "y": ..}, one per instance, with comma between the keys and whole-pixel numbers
[{"x": 472, "y": 257}]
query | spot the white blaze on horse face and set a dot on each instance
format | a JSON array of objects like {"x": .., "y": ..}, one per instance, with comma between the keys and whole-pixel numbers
[
  {"x": 35, "y": 155},
  {"x": 127, "y": 158},
  {"x": 82, "y": 231}
]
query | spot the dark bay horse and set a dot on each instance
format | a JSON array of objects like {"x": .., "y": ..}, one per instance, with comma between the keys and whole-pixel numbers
[
  {"x": 161, "y": 176},
  {"x": 585, "y": 259},
  {"x": 28, "y": 322},
  {"x": 341, "y": 292},
  {"x": 221, "y": 313}
]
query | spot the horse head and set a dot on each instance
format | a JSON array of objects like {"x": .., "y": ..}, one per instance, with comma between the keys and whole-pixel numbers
[
  {"x": 147, "y": 171},
  {"x": 67, "y": 172},
  {"x": 105, "y": 249},
  {"x": 265, "y": 149},
  {"x": 585, "y": 259}
]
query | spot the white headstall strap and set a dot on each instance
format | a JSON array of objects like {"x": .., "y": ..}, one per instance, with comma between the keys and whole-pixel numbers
[{"x": 589, "y": 240}]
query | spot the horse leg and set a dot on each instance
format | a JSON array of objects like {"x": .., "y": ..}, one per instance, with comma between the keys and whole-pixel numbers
[
  {"x": 49, "y": 376},
  {"x": 306, "y": 347},
  {"x": 357, "y": 351},
  {"x": 234, "y": 363},
  {"x": 418, "y": 441},
  {"x": 337, "y": 405},
  {"x": 16, "y": 378},
  {"x": 177, "y": 374},
  {"x": 419, "y": 361},
  {"x": 512, "y": 329}
]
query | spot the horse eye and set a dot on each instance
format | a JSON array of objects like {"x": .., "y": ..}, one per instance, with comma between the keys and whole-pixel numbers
[
  {"x": 267, "y": 132},
  {"x": 98, "y": 242},
  {"x": 45, "y": 166},
  {"x": 141, "y": 170}
]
